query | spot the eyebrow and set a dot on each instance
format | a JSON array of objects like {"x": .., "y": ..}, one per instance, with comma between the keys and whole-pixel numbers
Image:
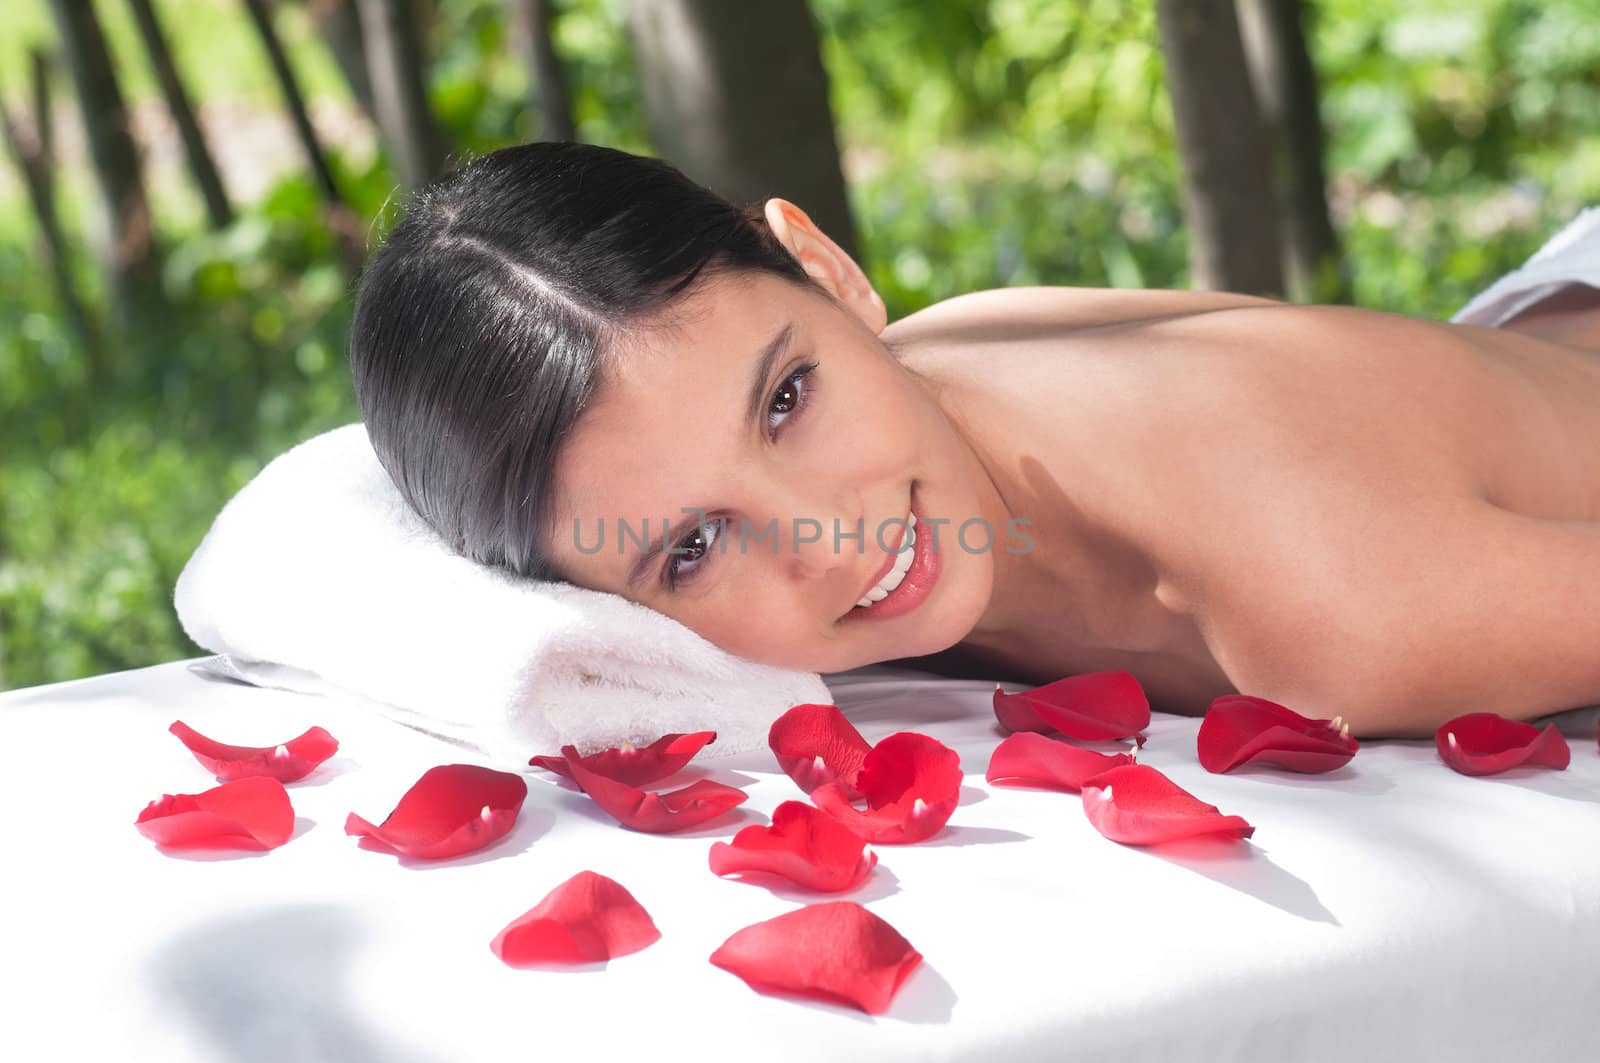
[{"x": 758, "y": 394}]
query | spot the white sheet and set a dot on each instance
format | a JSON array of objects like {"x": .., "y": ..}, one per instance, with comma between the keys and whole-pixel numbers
[{"x": 1393, "y": 910}]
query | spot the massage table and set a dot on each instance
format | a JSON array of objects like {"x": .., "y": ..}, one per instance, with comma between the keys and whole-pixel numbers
[{"x": 1390, "y": 910}]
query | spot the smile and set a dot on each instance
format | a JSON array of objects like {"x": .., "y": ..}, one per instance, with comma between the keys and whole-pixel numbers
[{"x": 906, "y": 579}]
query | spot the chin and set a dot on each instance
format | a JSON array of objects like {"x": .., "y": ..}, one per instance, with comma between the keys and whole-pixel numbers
[{"x": 948, "y": 616}]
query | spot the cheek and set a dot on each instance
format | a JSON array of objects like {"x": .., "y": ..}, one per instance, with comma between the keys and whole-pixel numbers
[
  {"x": 880, "y": 432},
  {"x": 779, "y": 639}
]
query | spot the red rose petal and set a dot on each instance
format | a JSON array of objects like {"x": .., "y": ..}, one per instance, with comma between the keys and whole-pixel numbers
[
  {"x": 804, "y": 845},
  {"x": 452, "y": 809},
  {"x": 1030, "y": 759},
  {"x": 1484, "y": 743},
  {"x": 912, "y": 783},
  {"x": 1092, "y": 706},
  {"x": 249, "y": 813},
  {"x": 1239, "y": 729},
  {"x": 1137, "y": 805},
  {"x": 836, "y": 951},
  {"x": 815, "y": 744},
  {"x": 294, "y": 759},
  {"x": 654, "y": 813},
  {"x": 665, "y": 756},
  {"x": 586, "y": 919}
]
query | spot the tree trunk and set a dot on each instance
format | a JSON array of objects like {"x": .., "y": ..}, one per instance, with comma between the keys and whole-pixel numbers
[
  {"x": 1222, "y": 142},
  {"x": 530, "y": 23},
  {"x": 201, "y": 164},
  {"x": 131, "y": 260},
  {"x": 339, "y": 21},
  {"x": 736, "y": 96},
  {"x": 292, "y": 96},
  {"x": 399, "y": 88},
  {"x": 33, "y": 155},
  {"x": 44, "y": 126},
  {"x": 1285, "y": 81}
]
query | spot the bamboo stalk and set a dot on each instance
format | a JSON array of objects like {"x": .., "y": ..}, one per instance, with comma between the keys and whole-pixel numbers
[
  {"x": 34, "y": 159},
  {"x": 531, "y": 21},
  {"x": 131, "y": 258},
  {"x": 398, "y": 70},
  {"x": 294, "y": 99},
  {"x": 201, "y": 165}
]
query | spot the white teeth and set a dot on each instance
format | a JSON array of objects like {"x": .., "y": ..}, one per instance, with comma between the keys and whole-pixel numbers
[{"x": 897, "y": 572}]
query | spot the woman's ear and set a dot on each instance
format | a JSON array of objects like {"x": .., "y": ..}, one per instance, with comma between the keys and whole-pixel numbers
[{"x": 826, "y": 262}]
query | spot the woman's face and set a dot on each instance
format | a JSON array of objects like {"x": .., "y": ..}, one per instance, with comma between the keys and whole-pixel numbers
[{"x": 774, "y": 450}]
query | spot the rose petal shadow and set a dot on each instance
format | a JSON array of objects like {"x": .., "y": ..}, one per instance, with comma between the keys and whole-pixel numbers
[
  {"x": 1344, "y": 778},
  {"x": 550, "y": 778},
  {"x": 971, "y": 795},
  {"x": 878, "y": 885},
  {"x": 1035, "y": 787},
  {"x": 695, "y": 772},
  {"x": 326, "y": 772},
  {"x": 1095, "y": 745},
  {"x": 1546, "y": 781},
  {"x": 954, "y": 834},
  {"x": 293, "y": 999},
  {"x": 817, "y": 1003},
  {"x": 726, "y": 824},
  {"x": 575, "y": 802},
  {"x": 1245, "y": 867},
  {"x": 925, "y": 998},
  {"x": 531, "y": 825},
  {"x": 1106, "y": 745}
]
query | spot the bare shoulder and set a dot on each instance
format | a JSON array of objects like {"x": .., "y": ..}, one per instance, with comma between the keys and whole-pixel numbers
[
  {"x": 1283, "y": 466},
  {"x": 1344, "y": 545},
  {"x": 1313, "y": 447},
  {"x": 1039, "y": 311}
]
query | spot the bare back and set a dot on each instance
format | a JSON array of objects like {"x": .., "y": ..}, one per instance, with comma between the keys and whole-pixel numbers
[{"x": 1156, "y": 439}]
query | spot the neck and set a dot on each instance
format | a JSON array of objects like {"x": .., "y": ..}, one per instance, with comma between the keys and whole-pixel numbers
[{"x": 1083, "y": 585}]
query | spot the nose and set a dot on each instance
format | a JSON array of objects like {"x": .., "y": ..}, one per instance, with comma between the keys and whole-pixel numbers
[
  {"x": 817, "y": 531},
  {"x": 815, "y": 551}
]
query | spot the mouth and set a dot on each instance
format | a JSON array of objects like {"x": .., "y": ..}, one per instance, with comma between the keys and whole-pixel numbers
[{"x": 915, "y": 579}]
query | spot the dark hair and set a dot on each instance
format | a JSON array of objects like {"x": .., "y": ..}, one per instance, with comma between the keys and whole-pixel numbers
[{"x": 484, "y": 324}]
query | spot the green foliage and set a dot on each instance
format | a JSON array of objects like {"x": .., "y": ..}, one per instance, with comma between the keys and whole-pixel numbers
[
  {"x": 107, "y": 485},
  {"x": 988, "y": 143},
  {"x": 1004, "y": 142}
]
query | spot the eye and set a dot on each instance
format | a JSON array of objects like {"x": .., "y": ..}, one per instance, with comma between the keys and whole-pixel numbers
[
  {"x": 685, "y": 566},
  {"x": 791, "y": 397}
]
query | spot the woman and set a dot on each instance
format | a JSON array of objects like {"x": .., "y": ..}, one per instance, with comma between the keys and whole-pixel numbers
[{"x": 1345, "y": 511}]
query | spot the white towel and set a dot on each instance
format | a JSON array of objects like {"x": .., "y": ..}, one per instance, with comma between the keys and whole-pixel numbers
[
  {"x": 1571, "y": 256},
  {"x": 318, "y": 577}
]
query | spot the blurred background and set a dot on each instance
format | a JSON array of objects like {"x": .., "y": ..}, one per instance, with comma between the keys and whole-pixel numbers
[{"x": 189, "y": 188}]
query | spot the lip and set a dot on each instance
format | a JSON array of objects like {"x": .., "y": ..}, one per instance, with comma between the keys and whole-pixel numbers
[{"x": 919, "y": 579}]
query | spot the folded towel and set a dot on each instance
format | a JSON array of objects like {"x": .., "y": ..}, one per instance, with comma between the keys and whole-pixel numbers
[
  {"x": 1571, "y": 256},
  {"x": 317, "y": 576}
]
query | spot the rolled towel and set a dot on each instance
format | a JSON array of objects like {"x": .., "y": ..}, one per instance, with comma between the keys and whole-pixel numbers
[
  {"x": 317, "y": 576},
  {"x": 1571, "y": 256}
]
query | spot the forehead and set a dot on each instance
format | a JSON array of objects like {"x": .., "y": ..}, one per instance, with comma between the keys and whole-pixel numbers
[{"x": 668, "y": 420}]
